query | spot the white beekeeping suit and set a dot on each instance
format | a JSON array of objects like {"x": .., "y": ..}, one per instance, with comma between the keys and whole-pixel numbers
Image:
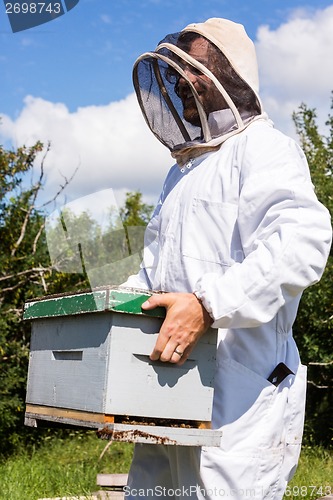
[{"x": 239, "y": 225}]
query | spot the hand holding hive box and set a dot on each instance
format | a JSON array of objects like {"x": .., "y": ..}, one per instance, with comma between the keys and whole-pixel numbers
[{"x": 90, "y": 367}]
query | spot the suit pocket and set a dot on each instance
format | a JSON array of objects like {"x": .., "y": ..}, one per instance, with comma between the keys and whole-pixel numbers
[
  {"x": 210, "y": 231},
  {"x": 242, "y": 403}
]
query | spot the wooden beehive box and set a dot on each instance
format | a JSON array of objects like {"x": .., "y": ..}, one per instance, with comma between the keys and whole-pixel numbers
[{"x": 89, "y": 366}]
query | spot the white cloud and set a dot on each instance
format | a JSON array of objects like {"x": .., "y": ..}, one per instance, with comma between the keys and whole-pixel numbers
[
  {"x": 27, "y": 42},
  {"x": 105, "y": 18},
  {"x": 111, "y": 146},
  {"x": 295, "y": 64}
]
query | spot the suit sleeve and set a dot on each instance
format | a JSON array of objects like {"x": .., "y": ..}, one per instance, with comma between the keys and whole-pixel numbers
[{"x": 285, "y": 234}]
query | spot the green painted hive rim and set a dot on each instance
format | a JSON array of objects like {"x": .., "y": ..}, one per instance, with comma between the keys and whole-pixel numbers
[{"x": 121, "y": 300}]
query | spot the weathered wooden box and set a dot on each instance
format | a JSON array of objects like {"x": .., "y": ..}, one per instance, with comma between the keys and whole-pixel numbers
[{"x": 89, "y": 366}]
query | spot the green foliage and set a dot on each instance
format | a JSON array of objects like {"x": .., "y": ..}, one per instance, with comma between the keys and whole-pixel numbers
[
  {"x": 314, "y": 325},
  {"x": 135, "y": 212},
  {"x": 135, "y": 216},
  {"x": 21, "y": 276},
  {"x": 25, "y": 273}
]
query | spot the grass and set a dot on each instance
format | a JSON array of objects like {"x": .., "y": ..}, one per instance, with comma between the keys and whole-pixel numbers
[
  {"x": 68, "y": 467},
  {"x": 62, "y": 467},
  {"x": 314, "y": 476}
]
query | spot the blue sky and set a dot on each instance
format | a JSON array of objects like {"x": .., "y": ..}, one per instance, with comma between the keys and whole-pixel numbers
[
  {"x": 69, "y": 81},
  {"x": 85, "y": 57}
]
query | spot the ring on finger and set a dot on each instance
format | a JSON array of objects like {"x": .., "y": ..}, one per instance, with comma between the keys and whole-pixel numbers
[{"x": 178, "y": 352}]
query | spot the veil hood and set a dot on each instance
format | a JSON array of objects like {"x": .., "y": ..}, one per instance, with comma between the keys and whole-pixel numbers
[{"x": 156, "y": 76}]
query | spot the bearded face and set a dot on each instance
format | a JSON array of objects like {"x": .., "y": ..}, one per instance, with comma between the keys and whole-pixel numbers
[{"x": 209, "y": 96}]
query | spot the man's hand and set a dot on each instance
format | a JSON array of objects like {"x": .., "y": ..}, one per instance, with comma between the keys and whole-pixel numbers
[{"x": 185, "y": 322}]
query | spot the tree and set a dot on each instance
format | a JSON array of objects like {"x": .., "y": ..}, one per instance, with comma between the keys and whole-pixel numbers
[
  {"x": 25, "y": 272},
  {"x": 135, "y": 212},
  {"x": 135, "y": 216},
  {"x": 314, "y": 325},
  {"x": 20, "y": 265}
]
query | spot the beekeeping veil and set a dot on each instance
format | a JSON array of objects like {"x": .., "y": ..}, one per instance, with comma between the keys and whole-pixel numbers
[{"x": 158, "y": 75}]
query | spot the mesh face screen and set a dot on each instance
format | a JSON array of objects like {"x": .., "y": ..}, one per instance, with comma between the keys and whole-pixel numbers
[{"x": 161, "y": 104}]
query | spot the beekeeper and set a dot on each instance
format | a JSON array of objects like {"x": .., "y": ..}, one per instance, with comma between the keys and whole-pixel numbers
[{"x": 237, "y": 235}]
